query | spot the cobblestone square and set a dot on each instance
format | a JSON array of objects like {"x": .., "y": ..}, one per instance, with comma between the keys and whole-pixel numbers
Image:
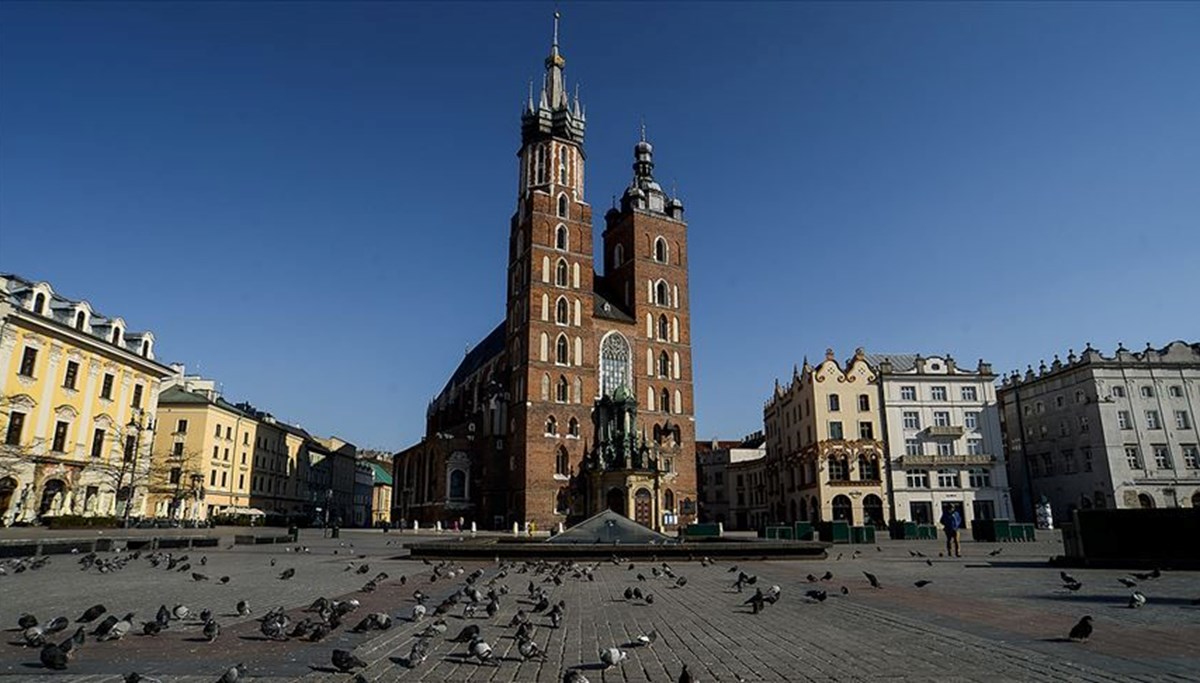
[{"x": 983, "y": 617}]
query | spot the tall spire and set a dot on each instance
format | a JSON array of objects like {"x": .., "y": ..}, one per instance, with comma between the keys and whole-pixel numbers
[
  {"x": 552, "y": 111},
  {"x": 555, "y": 85}
]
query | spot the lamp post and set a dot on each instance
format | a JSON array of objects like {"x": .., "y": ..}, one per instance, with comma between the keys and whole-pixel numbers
[{"x": 138, "y": 423}]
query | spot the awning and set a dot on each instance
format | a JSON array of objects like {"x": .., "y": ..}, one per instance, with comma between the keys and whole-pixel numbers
[{"x": 253, "y": 512}]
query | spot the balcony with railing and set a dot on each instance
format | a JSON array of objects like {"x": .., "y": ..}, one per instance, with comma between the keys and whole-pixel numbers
[
  {"x": 955, "y": 460},
  {"x": 944, "y": 431}
]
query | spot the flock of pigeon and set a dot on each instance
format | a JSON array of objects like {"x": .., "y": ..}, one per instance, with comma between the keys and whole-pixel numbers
[{"x": 477, "y": 598}]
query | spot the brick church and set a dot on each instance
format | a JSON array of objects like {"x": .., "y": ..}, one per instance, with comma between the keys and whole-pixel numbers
[{"x": 581, "y": 399}]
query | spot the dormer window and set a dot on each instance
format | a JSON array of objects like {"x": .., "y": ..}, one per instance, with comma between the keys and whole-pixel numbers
[
  {"x": 39, "y": 303},
  {"x": 80, "y": 320},
  {"x": 145, "y": 348},
  {"x": 116, "y": 336},
  {"x": 660, "y": 250}
]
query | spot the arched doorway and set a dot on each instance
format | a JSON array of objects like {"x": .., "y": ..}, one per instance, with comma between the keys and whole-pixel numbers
[
  {"x": 616, "y": 501},
  {"x": 52, "y": 490},
  {"x": 642, "y": 504},
  {"x": 7, "y": 486},
  {"x": 1145, "y": 501},
  {"x": 873, "y": 509},
  {"x": 795, "y": 514},
  {"x": 814, "y": 510},
  {"x": 842, "y": 509}
]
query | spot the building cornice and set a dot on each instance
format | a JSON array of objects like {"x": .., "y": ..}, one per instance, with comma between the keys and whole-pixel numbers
[{"x": 89, "y": 342}]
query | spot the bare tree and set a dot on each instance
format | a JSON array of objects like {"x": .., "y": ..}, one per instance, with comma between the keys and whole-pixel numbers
[{"x": 177, "y": 476}]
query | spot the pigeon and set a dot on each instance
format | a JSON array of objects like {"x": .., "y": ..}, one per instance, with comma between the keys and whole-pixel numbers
[
  {"x": 628, "y": 593},
  {"x": 418, "y": 653},
  {"x": 151, "y": 628},
  {"x": 53, "y": 657},
  {"x": 1137, "y": 599},
  {"x": 817, "y": 595},
  {"x": 872, "y": 579},
  {"x": 1067, "y": 578},
  {"x": 1128, "y": 583},
  {"x": 205, "y": 615},
  {"x": 649, "y": 598},
  {"x": 223, "y": 580},
  {"x": 163, "y": 616},
  {"x": 827, "y": 576},
  {"x": 135, "y": 677},
  {"x": 646, "y": 639},
  {"x": 287, "y": 574},
  {"x": 233, "y": 675},
  {"x": 468, "y": 634},
  {"x": 574, "y": 676},
  {"x": 418, "y": 612},
  {"x": 812, "y": 578},
  {"x": 1083, "y": 630},
  {"x": 479, "y": 649},
  {"x": 180, "y": 612},
  {"x": 922, "y": 583},
  {"x": 529, "y": 649},
  {"x": 118, "y": 630},
  {"x": 27, "y": 621},
  {"x": 1073, "y": 586},
  {"x": 686, "y": 676},
  {"x": 773, "y": 594},
  {"x": 1146, "y": 576},
  {"x": 679, "y": 583},
  {"x": 105, "y": 626},
  {"x": 91, "y": 614},
  {"x": 243, "y": 608},
  {"x": 756, "y": 601},
  {"x": 204, "y": 560},
  {"x": 344, "y": 661},
  {"x": 363, "y": 569},
  {"x": 211, "y": 630},
  {"x": 845, "y": 591},
  {"x": 612, "y": 656},
  {"x": 196, "y": 576},
  {"x": 995, "y": 552}
]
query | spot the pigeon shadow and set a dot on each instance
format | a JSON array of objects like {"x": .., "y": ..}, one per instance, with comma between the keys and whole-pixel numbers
[
  {"x": 260, "y": 639},
  {"x": 325, "y": 669},
  {"x": 596, "y": 666},
  {"x": 201, "y": 639},
  {"x": 1057, "y": 640}
]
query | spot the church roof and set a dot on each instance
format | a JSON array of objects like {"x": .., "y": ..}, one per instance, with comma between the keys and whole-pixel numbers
[
  {"x": 603, "y": 301},
  {"x": 901, "y": 362},
  {"x": 491, "y": 346},
  {"x": 608, "y": 527}
]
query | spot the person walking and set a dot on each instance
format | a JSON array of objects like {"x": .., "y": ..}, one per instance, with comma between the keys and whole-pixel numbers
[{"x": 951, "y": 523}]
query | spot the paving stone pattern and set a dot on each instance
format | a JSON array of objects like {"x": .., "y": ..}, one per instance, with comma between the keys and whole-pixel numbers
[{"x": 982, "y": 618}]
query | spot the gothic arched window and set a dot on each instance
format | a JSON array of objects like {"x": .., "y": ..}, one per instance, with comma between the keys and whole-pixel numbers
[
  {"x": 562, "y": 462},
  {"x": 562, "y": 351},
  {"x": 664, "y": 364},
  {"x": 562, "y": 312},
  {"x": 561, "y": 236},
  {"x": 562, "y": 206},
  {"x": 618, "y": 256},
  {"x": 562, "y": 391},
  {"x": 540, "y": 165},
  {"x": 551, "y": 425},
  {"x": 664, "y": 331},
  {"x": 562, "y": 274},
  {"x": 662, "y": 293},
  {"x": 573, "y": 427},
  {"x": 665, "y": 401},
  {"x": 660, "y": 250},
  {"x": 614, "y": 363}
]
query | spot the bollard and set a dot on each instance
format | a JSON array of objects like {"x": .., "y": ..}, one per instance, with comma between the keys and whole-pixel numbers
[
  {"x": 720, "y": 528},
  {"x": 437, "y": 526},
  {"x": 560, "y": 528},
  {"x": 416, "y": 525},
  {"x": 472, "y": 528},
  {"x": 516, "y": 529}
]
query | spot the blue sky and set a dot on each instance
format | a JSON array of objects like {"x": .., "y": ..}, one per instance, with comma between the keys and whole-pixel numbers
[{"x": 309, "y": 201}]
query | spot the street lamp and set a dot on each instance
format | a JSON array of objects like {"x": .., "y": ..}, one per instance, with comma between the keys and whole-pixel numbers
[{"x": 138, "y": 423}]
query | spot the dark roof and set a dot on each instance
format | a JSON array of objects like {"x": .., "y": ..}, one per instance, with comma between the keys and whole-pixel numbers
[
  {"x": 603, "y": 302},
  {"x": 174, "y": 395},
  {"x": 901, "y": 362},
  {"x": 491, "y": 346}
]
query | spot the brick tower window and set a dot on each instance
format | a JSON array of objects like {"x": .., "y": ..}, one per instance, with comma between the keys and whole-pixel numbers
[
  {"x": 660, "y": 250},
  {"x": 561, "y": 237},
  {"x": 562, "y": 391}
]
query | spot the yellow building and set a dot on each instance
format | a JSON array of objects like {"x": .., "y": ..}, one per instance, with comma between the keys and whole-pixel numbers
[
  {"x": 825, "y": 444},
  {"x": 77, "y": 412}
]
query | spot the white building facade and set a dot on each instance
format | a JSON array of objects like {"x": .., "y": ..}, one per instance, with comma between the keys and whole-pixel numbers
[{"x": 944, "y": 442}]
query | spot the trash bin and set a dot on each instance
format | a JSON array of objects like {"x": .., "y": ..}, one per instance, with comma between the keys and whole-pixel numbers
[
  {"x": 858, "y": 534},
  {"x": 336, "y": 533},
  {"x": 804, "y": 531},
  {"x": 835, "y": 532}
]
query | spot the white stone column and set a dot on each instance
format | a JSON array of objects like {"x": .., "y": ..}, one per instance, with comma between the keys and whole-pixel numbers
[{"x": 47, "y": 397}]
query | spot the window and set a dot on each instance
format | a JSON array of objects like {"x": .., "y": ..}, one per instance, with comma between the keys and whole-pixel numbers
[
  {"x": 835, "y": 430},
  {"x": 562, "y": 351},
  {"x": 551, "y": 426},
  {"x": 947, "y": 479},
  {"x": 835, "y": 403},
  {"x": 561, "y": 462},
  {"x": 217, "y": 450},
  {"x": 1084, "y": 425},
  {"x": 938, "y": 393},
  {"x": 59, "y": 444},
  {"x": 868, "y": 469},
  {"x": 1152, "y": 421},
  {"x": 618, "y": 256},
  {"x": 16, "y": 421},
  {"x": 917, "y": 479},
  {"x": 971, "y": 419},
  {"x": 1132, "y": 458},
  {"x": 1087, "y": 458},
  {"x": 838, "y": 471},
  {"x": 979, "y": 478},
  {"x": 941, "y": 418},
  {"x": 1181, "y": 420},
  {"x": 573, "y": 428},
  {"x": 1191, "y": 456},
  {"x": 662, "y": 293},
  {"x": 562, "y": 206},
  {"x": 28, "y": 361},
  {"x": 97, "y": 443},
  {"x": 975, "y": 446},
  {"x": 1162, "y": 457},
  {"x": 245, "y": 438},
  {"x": 660, "y": 250},
  {"x": 664, "y": 403},
  {"x": 1123, "y": 420},
  {"x": 562, "y": 312},
  {"x": 1059, "y": 401},
  {"x": 80, "y": 320},
  {"x": 912, "y": 447},
  {"x": 864, "y": 402},
  {"x": 226, "y": 454},
  {"x": 217, "y": 432},
  {"x": 241, "y": 481},
  {"x": 1118, "y": 392},
  {"x": 664, "y": 364},
  {"x": 177, "y": 449},
  {"x": 969, "y": 394},
  {"x": 1070, "y": 466},
  {"x": 224, "y": 481},
  {"x": 176, "y": 475},
  {"x": 1064, "y": 429},
  {"x": 866, "y": 430},
  {"x": 562, "y": 273},
  {"x": 212, "y": 479},
  {"x": 1080, "y": 397},
  {"x": 945, "y": 448},
  {"x": 560, "y": 238},
  {"x": 116, "y": 335},
  {"x": 106, "y": 387},
  {"x": 1147, "y": 392},
  {"x": 664, "y": 330},
  {"x": 562, "y": 392},
  {"x": 908, "y": 393},
  {"x": 137, "y": 396},
  {"x": 1040, "y": 407},
  {"x": 912, "y": 419},
  {"x": 72, "y": 375},
  {"x": 181, "y": 427},
  {"x": 1175, "y": 391},
  {"x": 39, "y": 303}
]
